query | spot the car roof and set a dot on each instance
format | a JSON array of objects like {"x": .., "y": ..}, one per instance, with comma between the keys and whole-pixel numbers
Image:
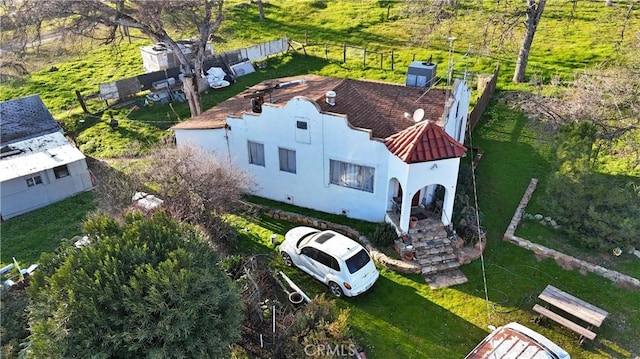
[
  {"x": 516, "y": 341},
  {"x": 338, "y": 245}
]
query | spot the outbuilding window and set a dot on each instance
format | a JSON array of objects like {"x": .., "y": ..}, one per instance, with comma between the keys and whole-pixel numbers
[
  {"x": 32, "y": 181},
  {"x": 61, "y": 171}
]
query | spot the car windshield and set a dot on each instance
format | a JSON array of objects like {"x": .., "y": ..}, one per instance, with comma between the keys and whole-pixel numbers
[{"x": 357, "y": 261}]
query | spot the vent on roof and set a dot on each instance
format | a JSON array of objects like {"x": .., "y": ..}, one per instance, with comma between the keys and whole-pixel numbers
[
  {"x": 331, "y": 98},
  {"x": 291, "y": 83},
  {"x": 7, "y": 151}
]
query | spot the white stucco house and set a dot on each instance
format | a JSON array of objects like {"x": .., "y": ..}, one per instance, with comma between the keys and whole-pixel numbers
[
  {"x": 363, "y": 149},
  {"x": 38, "y": 165}
]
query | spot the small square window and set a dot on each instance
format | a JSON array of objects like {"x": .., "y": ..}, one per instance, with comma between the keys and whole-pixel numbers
[
  {"x": 32, "y": 181},
  {"x": 61, "y": 171},
  {"x": 302, "y": 125}
]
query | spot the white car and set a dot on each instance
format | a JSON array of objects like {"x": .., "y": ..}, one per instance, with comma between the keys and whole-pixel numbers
[{"x": 335, "y": 260}]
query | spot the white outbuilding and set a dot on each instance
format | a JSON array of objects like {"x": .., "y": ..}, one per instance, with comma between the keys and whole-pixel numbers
[{"x": 38, "y": 164}]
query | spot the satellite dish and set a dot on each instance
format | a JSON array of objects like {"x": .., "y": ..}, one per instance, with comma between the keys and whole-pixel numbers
[{"x": 418, "y": 115}]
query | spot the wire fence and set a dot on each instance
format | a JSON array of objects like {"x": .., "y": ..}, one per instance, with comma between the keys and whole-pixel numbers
[{"x": 346, "y": 53}]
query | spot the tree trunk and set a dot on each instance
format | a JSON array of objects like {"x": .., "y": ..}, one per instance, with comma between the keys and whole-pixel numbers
[
  {"x": 190, "y": 87},
  {"x": 534, "y": 12},
  {"x": 191, "y": 74},
  {"x": 261, "y": 9}
]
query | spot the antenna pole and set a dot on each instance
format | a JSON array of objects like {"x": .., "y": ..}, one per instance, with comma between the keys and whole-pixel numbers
[{"x": 451, "y": 39}]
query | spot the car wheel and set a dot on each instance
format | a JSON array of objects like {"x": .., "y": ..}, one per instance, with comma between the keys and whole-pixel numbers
[
  {"x": 287, "y": 259},
  {"x": 335, "y": 289}
]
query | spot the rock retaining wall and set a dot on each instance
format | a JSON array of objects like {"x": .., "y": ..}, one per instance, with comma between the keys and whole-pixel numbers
[{"x": 563, "y": 260}]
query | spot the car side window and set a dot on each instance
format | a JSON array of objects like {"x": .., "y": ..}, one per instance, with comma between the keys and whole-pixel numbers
[
  {"x": 328, "y": 261},
  {"x": 334, "y": 264},
  {"x": 310, "y": 252}
]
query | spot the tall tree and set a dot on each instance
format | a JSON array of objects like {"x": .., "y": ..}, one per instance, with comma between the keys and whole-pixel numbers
[
  {"x": 101, "y": 19},
  {"x": 533, "y": 14},
  {"x": 150, "y": 287}
]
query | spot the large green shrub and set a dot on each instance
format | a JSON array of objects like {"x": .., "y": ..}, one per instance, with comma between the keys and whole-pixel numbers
[
  {"x": 383, "y": 235},
  {"x": 151, "y": 288}
]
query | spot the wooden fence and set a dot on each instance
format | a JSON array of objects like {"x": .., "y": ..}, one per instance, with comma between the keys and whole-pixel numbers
[{"x": 483, "y": 101}]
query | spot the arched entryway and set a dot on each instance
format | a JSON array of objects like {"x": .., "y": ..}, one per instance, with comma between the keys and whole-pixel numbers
[{"x": 428, "y": 203}]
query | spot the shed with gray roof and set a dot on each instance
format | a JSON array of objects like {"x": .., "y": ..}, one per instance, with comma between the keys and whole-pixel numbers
[{"x": 38, "y": 164}]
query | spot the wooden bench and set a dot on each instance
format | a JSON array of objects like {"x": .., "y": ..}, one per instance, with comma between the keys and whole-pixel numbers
[
  {"x": 584, "y": 332},
  {"x": 576, "y": 307}
]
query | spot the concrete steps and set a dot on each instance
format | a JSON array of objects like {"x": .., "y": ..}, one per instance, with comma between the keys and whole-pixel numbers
[{"x": 445, "y": 279}]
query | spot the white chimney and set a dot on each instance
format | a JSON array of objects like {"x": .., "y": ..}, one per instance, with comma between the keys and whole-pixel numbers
[{"x": 331, "y": 98}]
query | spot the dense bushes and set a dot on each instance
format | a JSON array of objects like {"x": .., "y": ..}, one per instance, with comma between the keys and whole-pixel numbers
[
  {"x": 13, "y": 331},
  {"x": 318, "y": 330},
  {"x": 150, "y": 287},
  {"x": 384, "y": 235},
  {"x": 599, "y": 211}
]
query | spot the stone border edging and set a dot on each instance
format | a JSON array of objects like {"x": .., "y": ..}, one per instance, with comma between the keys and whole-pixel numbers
[
  {"x": 565, "y": 261},
  {"x": 390, "y": 263}
]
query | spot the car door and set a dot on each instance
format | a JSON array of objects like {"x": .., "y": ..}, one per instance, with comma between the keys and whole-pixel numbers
[
  {"x": 328, "y": 266},
  {"x": 309, "y": 262}
]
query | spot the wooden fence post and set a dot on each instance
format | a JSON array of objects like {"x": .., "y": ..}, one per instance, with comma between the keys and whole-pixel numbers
[
  {"x": 381, "y": 56},
  {"x": 81, "y": 100},
  {"x": 326, "y": 52},
  {"x": 344, "y": 53},
  {"x": 391, "y": 60},
  {"x": 305, "y": 37},
  {"x": 364, "y": 58}
]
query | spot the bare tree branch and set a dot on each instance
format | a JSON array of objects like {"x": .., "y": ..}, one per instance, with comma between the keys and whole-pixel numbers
[{"x": 101, "y": 19}]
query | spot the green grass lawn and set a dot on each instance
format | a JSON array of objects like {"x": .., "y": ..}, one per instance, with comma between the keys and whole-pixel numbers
[
  {"x": 400, "y": 317},
  {"x": 27, "y": 236}
]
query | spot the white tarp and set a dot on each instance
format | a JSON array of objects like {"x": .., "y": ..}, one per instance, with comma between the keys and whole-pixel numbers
[{"x": 215, "y": 78}]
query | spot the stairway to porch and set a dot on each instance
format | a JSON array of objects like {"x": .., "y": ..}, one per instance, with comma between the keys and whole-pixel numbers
[{"x": 435, "y": 252}]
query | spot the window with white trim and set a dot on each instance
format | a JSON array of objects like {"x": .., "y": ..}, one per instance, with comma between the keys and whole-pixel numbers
[
  {"x": 351, "y": 175},
  {"x": 256, "y": 153},
  {"x": 287, "y": 160},
  {"x": 32, "y": 181},
  {"x": 61, "y": 171}
]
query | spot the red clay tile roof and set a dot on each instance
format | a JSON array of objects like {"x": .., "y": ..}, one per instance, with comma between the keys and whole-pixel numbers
[
  {"x": 425, "y": 141},
  {"x": 377, "y": 106}
]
